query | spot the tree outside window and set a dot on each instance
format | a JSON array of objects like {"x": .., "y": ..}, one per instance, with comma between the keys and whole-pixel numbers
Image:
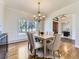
[{"x": 27, "y": 25}]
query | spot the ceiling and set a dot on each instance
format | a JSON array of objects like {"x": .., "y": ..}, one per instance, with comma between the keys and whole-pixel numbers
[{"x": 47, "y": 6}]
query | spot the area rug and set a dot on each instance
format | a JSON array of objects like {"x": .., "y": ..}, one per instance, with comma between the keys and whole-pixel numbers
[{"x": 36, "y": 57}]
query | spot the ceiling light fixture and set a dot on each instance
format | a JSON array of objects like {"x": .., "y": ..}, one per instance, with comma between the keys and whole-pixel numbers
[{"x": 39, "y": 16}]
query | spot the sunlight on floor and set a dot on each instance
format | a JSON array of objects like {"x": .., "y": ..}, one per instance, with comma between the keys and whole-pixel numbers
[{"x": 23, "y": 53}]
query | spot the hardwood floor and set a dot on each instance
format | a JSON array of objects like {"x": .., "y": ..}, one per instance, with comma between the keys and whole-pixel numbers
[{"x": 20, "y": 51}]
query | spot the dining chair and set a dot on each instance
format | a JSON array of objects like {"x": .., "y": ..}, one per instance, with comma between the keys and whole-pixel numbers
[
  {"x": 51, "y": 39},
  {"x": 36, "y": 39},
  {"x": 33, "y": 44},
  {"x": 54, "y": 45},
  {"x": 30, "y": 43}
]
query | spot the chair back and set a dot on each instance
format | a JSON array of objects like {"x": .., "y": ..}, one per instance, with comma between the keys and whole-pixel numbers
[
  {"x": 57, "y": 42},
  {"x": 30, "y": 38},
  {"x": 51, "y": 33}
]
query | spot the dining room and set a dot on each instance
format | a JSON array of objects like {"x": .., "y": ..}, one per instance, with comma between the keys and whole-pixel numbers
[{"x": 39, "y": 29}]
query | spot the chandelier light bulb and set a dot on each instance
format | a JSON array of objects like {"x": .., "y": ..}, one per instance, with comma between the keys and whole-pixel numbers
[
  {"x": 39, "y": 14},
  {"x": 34, "y": 16},
  {"x": 63, "y": 17},
  {"x": 43, "y": 16}
]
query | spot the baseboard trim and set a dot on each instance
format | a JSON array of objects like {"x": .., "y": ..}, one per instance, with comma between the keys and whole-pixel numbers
[{"x": 18, "y": 41}]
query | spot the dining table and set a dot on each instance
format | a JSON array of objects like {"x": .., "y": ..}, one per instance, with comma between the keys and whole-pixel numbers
[{"x": 44, "y": 38}]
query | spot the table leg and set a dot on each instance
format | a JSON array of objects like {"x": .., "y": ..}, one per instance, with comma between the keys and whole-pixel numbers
[{"x": 44, "y": 48}]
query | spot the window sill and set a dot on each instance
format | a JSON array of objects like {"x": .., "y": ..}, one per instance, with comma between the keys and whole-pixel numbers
[{"x": 22, "y": 34}]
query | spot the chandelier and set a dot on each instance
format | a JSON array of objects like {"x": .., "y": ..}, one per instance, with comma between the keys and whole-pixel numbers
[{"x": 39, "y": 16}]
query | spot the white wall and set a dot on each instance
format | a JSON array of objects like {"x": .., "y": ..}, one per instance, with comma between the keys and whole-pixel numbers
[
  {"x": 2, "y": 5},
  {"x": 11, "y": 24},
  {"x": 48, "y": 24},
  {"x": 41, "y": 26},
  {"x": 71, "y": 9}
]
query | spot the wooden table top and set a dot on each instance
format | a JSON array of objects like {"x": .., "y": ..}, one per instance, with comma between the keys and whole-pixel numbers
[{"x": 44, "y": 36}]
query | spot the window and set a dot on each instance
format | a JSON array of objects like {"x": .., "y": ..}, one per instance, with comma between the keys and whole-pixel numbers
[{"x": 27, "y": 25}]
